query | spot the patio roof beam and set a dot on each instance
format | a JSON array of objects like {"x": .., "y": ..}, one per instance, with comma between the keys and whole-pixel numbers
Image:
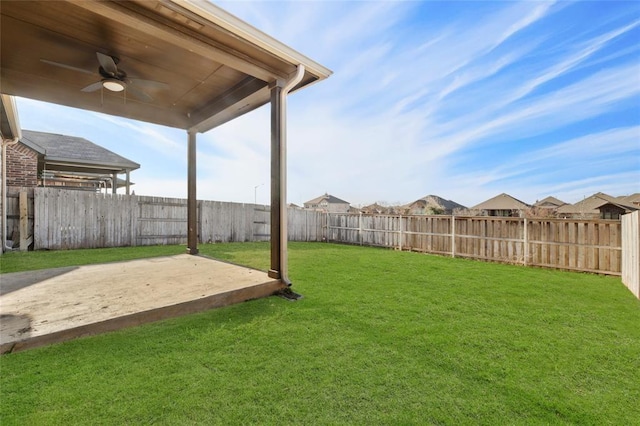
[
  {"x": 244, "y": 97},
  {"x": 164, "y": 29}
]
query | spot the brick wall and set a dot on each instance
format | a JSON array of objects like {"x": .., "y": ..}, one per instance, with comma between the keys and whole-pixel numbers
[{"x": 22, "y": 166}]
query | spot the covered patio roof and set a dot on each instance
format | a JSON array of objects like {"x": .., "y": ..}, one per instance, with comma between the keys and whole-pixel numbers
[
  {"x": 186, "y": 64},
  {"x": 215, "y": 66}
]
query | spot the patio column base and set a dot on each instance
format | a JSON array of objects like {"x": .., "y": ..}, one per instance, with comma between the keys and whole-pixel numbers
[{"x": 274, "y": 274}]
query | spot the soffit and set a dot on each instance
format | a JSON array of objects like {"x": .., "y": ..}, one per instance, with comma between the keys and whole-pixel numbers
[{"x": 217, "y": 67}]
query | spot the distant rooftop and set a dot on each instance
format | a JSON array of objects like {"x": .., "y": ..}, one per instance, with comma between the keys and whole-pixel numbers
[
  {"x": 549, "y": 202},
  {"x": 330, "y": 199},
  {"x": 439, "y": 202},
  {"x": 591, "y": 204},
  {"x": 501, "y": 202},
  {"x": 75, "y": 150}
]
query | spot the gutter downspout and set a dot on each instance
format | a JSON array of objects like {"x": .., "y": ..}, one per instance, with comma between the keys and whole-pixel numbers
[
  {"x": 284, "y": 261},
  {"x": 5, "y": 144}
]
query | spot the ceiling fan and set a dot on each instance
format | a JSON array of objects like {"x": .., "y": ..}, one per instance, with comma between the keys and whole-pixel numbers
[{"x": 114, "y": 79}]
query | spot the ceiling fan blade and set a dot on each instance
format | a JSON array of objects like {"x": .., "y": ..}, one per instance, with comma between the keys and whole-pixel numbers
[
  {"x": 107, "y": 63},
  {"x": 150, "y": 84},
  {"x": 69, "y": 67},
  {"x": 138, "y": 94},
  {"x": 93, "y": 87}
]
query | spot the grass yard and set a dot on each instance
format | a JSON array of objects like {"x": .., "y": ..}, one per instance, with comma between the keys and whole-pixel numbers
[{"x": 381, "y": 337}]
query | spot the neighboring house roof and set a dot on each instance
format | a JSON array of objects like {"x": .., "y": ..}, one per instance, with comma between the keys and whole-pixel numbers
[
  {"x": 376, "y": 208},
  {"x": 373, "y": 208},
  {"x": 75, "y": 150},
  {"x": 435, "y": 201},
  {"x": 632, "y": 199},
  {"x": 626, "y": 206},
  {"x": 501, "y": 202},
  {"x": 549, "y": 202},
  {"x": 330, "y": 199},
  {"x": 590, "y": 205}
]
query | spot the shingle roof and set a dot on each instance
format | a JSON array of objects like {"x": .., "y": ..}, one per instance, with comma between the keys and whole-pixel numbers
[
  {"x": 590, "y": 205},
  {"x": 501, "y": 202},
  {"x": 632, "y": 199},
  {"x": 439, "y": 202},
  {"x": 328, "y": 198},
  {"x": 549, "y": 202},
  {"x": 76, "y": 150}
]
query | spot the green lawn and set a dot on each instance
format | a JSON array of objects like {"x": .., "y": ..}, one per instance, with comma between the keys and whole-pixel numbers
[{"x": 381, "y": 337}]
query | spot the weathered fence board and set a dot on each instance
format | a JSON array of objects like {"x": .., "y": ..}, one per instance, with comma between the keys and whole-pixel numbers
[
  {"x": 227, "y": 222},
  {"x": 631, "y": 252},
  {"x": 584, "y": 245},
  {"x": 67, "y": 219},
  {"x": 304, "y": 225},
  {"x": 75, "y": 219},
  {"x": 581, "y": 245},
  {"x": 158, "y": 220},
  {"x": 20, "y": 215}
]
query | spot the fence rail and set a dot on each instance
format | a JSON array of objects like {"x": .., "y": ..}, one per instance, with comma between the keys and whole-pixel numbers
[
  {"x": 65, "y": 219},
  {"x": 581, "y": 245}
]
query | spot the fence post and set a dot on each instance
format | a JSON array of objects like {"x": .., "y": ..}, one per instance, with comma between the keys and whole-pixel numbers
[
  {"x": 453, "y": 236},
  {"x": 400, "y": 239},
  {"x": 25, "y": 238},
  {"x": 526, "y": 243},
  {"x": 360, "y": 227},
  {"x": 328, "y": 227},
  {"x": 630, "y": 224}
]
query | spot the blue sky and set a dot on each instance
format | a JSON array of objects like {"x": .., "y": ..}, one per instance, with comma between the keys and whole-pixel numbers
[{"x": 464, "y": 100}]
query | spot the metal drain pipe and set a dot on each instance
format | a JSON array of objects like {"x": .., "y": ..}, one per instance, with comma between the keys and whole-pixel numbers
[{"x": 279, "y": 132}]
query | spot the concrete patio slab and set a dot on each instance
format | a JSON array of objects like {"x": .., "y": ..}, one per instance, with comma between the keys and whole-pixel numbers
[{"x": 43, "y": 307}]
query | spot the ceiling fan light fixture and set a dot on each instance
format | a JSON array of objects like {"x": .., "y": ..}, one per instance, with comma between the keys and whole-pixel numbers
[{"x": 113, "y": 85}]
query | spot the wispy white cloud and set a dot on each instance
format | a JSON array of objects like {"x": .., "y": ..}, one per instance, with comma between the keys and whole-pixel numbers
[
  {"x": 460, "y": 99},
  {"x": 567, "y": 63}
]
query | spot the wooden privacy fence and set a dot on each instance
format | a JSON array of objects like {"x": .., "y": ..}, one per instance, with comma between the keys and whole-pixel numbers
[
  {"x": 581, "y": 245},
  {"x": 631, "y": 252},
  {"x": 66, "y": 219}
]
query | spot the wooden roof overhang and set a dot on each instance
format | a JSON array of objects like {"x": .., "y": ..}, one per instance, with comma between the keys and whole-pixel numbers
[{"x": 217, "y": 66}]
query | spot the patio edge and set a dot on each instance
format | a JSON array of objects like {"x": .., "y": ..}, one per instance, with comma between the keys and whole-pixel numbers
[{"x": 219, "y": 300}]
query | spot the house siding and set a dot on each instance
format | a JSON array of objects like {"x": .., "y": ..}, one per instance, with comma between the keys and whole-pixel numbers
[{"x": 22, "y": 166}]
